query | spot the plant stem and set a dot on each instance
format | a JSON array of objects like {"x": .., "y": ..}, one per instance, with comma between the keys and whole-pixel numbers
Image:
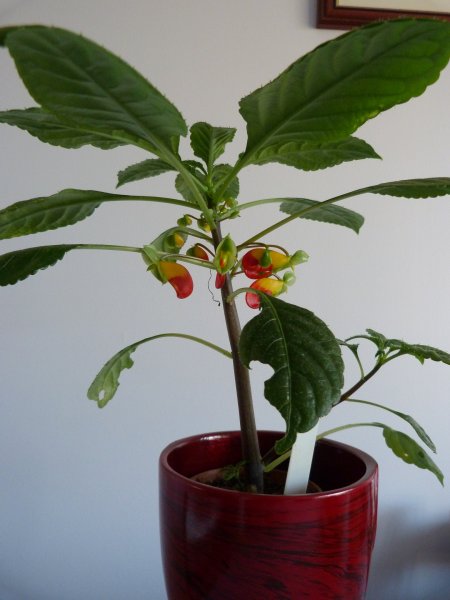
[
  {"x": 250, "y": 445},
  {"x": 183, "y": 336},
  {"x": 199, "y": 262},
  {"x": 191, "y": 183},
  {"x": 350, "y": 426},
  {"x": 135, "y": 198},
  {"x": 361, "y": 382},
  {"x": 278, "y": 461},
  {"x": 108, "y": 247}
]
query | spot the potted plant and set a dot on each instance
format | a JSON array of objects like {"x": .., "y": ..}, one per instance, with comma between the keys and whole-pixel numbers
[{"x": 269, "y": 545}]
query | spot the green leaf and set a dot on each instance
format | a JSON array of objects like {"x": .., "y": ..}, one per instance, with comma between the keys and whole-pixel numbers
[
  {"x": 219, "y": 172},
  {"x": 423, "y": 435},
  {"x": 49, "y": 129},
  {"x": 106, "y": 382},
  {"x": 86, "y": 86},
  {"x": 406, "y": 188},
  {"x": 18, "y": 265},
  {"x": 208, "y": 142},
  {"x": 410, "y": 452},
  {"x": 183, "y": 187},
  {"x": 61, "y": 209},
  {"x": 401, "y": 444},
  {"x": 410, "y": 420},
  {"x": 310, "y": 156},
  {"x": 327, "y": 213},
  {"x": 307, "y": 363},
  {"x": 193, "y": 166},
  {"x": 412, "y": 188},
  {"x": 218, "y": 175},
  {"x": 142, "y": 170},
  {"x": 41, "y": 214},
  {"x": 330, "y": 92},
  {"x": 419, "y": 351},
  {"x": 4, "y": 32}
]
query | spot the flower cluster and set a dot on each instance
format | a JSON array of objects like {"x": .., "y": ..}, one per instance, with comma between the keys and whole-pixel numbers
[
  {"x": 260, "y": 263},
  {"x": 263, "y": 264}
]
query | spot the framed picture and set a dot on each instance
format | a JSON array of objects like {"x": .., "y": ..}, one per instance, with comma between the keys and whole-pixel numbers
[{"x": 345, "y": 14}]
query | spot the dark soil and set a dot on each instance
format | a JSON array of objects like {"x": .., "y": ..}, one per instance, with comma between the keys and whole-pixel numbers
[{"x": 273, "y": 481}]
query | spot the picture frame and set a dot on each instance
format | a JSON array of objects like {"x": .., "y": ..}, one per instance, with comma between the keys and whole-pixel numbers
[{"x": 346, "y": 14}]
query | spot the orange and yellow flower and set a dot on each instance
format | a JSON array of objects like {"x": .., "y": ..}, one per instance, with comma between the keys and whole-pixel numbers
[
  {"x": 268, "y": 285},
  {"x": 178, "y": 277}
]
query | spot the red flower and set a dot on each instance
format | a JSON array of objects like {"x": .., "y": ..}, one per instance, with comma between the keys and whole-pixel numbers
[
  {"x": 261, "y": 262},
  {"x": 220, "y": 280},
  {"x": 178, "y": 277},
  {"x": 268, "y": 285}
]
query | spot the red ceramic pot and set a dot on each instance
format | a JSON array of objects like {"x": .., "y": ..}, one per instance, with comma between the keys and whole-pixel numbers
[{"x": 230, "y": 545}]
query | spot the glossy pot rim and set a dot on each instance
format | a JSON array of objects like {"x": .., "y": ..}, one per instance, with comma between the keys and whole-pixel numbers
[{"x": 371, "y": 467}]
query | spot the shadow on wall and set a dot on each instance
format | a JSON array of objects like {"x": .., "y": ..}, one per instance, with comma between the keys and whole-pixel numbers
[{"x": 410, "y": 563}]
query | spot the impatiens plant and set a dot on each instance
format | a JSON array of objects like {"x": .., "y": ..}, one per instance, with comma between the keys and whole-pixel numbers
[{"x": 305, "y": 119}]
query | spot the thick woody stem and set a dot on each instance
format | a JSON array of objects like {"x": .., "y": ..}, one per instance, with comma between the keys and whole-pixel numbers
[{"x": 250, "y": 445}]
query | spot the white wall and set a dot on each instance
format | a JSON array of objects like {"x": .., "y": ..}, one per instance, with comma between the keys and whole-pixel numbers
[{"x": 78, "y": 496}]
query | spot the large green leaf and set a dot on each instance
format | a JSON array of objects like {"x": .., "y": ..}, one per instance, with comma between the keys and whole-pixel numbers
[
  {"x": 409, "y": 451},
  {"x": 208, "y": 142},
  {"x": 18, "y": 265},
  {"x": 85, "y": 85},
  {"x": 311, "y": 157},
  {"x": 48, "y": 128},
  {"x": 61, "y": 209},
  {"x": 419, "y": 351},
  {"x": 4, "y": 31},
  {"x": 142, "y": 170},
  {"x": 330, "y": 92},
  {"x": 326, "y": 213},
  {"x": 307, "y": 363}
]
